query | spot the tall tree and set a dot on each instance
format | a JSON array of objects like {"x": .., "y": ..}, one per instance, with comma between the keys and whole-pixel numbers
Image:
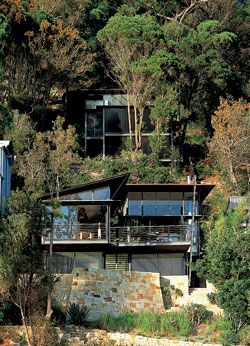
[
  {"x": 22, "y": 271},
  {"x": 132, "y": 46},
  {"x": 230, "y": 145},
  {"x": 197, "y": 68}
]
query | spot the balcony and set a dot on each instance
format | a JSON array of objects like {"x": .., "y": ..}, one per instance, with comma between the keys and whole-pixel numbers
[
  {"x": 121, "y": 236},
  {"x": 150, "y": 235},
  {"x": 77, "y": 233}
]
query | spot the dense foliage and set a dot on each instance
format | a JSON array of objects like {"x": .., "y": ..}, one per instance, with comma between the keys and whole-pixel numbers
[
  {"x": 186, "y": 61},
  {"x": 226, "y": 263}
]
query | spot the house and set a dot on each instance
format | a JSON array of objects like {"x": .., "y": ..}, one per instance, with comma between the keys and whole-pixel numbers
[
  {"x": 112, "y": 224},
  {"x": 103, "y": 119},
  {"x": 6, "y": 160}
]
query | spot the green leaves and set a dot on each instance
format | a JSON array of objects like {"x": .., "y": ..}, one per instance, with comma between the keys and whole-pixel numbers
[{"x": 226, "y": 264}]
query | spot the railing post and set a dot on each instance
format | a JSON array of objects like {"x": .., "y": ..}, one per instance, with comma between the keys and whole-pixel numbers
[{"x": 128, "y": 234}]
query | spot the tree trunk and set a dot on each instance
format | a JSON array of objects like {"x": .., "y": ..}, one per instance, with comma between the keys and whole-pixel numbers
[
  {"x": 141, "y": 111},
  {"x": 129, "y": 119},
  {"x": 27, "y": 337},
  {"x": 231, "y": 173},
  {"x": 136, "y": 125}
]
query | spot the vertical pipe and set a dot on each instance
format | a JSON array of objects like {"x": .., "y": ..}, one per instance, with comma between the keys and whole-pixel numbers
[{"x": 192, "y": 232}]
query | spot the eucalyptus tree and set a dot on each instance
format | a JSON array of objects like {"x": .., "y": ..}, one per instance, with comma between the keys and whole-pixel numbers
[{"x": 133, "y": 46}]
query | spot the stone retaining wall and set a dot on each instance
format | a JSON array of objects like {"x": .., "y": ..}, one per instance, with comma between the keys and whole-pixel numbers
[
  {"x": 101, "y": 337},
  {"x": 114, "y": 291}
]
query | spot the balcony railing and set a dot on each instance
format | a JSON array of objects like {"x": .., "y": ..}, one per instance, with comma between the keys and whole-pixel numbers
[
  {"x": 150, "y": 234},
  {"x": 77, "y": 232},
  {"x": 126, "y": 235}
]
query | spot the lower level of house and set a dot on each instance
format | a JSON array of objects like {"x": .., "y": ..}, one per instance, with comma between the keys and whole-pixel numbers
[{"x": 172, "y": 263}]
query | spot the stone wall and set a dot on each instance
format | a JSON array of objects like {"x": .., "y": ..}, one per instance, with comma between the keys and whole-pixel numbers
[
  {"x": 192, "y": 295},
  {"x": 80, "y": 336},
  {"x": 110, "y": 290},
  {"x": 114, "y": 291}
]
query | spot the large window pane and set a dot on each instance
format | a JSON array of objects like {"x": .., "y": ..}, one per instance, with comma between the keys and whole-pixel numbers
[
  {"x": 116, "y": 120},
  {"x": 101, "y": 194},
  {"x": 149, "y": 208},
  {"x": 94, "y": 147},
  {"x": 134, "y": 208},
  {"x": 94, "y": 125},
  {"x": 86, "y": 195}
]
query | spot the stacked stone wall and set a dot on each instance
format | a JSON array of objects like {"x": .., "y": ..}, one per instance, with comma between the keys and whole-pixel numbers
[{"x": 114, "y": 291}]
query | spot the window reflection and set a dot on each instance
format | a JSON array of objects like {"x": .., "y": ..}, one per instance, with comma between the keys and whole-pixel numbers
[{"x": 159, "y": 207}]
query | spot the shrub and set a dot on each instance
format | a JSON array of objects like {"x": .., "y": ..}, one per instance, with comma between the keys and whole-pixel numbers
[
  {"x": 245, "y": 336},
  {"x": 176, "y": 323},
  {"x": 124, "y": 322},
  {"x": 58, "y": 315},
  {"x": 196, "y": 313},
  {"x": 78, "y": 315},
  {"x": 107, "y": 321},
  {"x": 147, "y": 322}
]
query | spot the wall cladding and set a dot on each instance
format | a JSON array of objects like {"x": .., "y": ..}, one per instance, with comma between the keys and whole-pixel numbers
[{"x": 112, "y": 291}]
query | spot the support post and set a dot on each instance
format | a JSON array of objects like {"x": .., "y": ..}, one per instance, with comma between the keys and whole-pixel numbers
[{"x": 192, "y": 232}]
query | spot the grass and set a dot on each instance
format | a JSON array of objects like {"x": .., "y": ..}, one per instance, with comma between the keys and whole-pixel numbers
[{"x": 148, "y": 323}]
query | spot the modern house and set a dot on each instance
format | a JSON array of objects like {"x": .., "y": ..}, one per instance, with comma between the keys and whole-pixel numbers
[
  {"x": 103, "y": 120},
  {"x": 111, "y": 224},
  {"x": 6, "y": 160}
]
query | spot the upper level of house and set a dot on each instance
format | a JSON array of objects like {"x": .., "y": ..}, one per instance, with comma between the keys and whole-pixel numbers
[
  {"x": 116, "y": 213},
  {"x": 103, "y": 118},
  {"x": 6, "y": 160}
]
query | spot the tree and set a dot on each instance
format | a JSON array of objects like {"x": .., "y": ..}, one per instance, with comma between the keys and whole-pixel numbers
[
  {"x": 197, "y": 68},
  {"x": 230, "y": 145},
  {"x": 164, "y": 108},
  {"x": 226, "y": 263},
  {"x": 132, "y": 46},
  {"x": 42, "y": 55},
  {"x": 22, "y": 271}
]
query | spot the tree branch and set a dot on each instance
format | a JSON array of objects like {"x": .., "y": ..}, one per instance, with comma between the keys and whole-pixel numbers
[{"x": 180, "y": 16}]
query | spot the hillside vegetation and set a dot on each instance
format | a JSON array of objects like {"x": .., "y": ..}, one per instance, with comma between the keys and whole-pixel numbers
[{"x": 186, "y": 61}]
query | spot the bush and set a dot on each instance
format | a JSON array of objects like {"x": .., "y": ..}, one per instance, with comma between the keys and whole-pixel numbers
[
  {"x": 196, "y": 313},
  {"x": 147, "y": 322},
  {"x": 176, "y": 323},
  {"x": 124, "y": 322},
  {"x": 9, "y": 314},
  {"x": 58, "y": 315},
  {"x": 78, "y": 315}
]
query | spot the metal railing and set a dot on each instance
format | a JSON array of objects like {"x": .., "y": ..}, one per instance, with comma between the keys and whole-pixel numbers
[
  {"x": 86, "y": 231},
  {"x": 150, "y": 234},
  {"x": 120, "y": 235}
]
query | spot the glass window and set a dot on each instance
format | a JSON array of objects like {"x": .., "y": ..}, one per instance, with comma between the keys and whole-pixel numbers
[
  {"x": 163, "y": 208},
  {"x": 188, "y": 207},
  {"x": 94, "y": 147},
  {"x": 94, "y": 125},
  {"x": 101, "y": 194},
  {"x": 86, "y": 195},
  {"x": 65, "y": 215},
  {"x": 114, "y": 144},
  {"x": 134, "y": 207},
  {"x": 116, "y": 120},
  {"x": 149, "y": 208}
]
